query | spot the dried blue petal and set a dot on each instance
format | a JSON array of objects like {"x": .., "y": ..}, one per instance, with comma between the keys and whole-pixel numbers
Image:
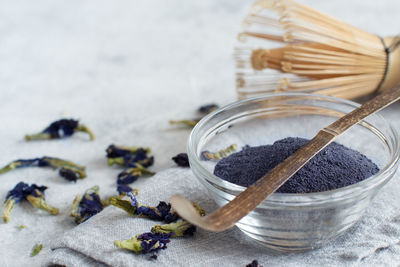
[
  {"x": 131, "y": 174},
  {"x": 146, "y": 162},
  {"x": 60, "y": 129},
  {"x": 207, "y": 155},
  {"x": 155, "y": 213},
  {"x": 33, "y": 193},
  {"x": 114, "y": 151},
  {"x": 205, "y": 109},
  {"x": 254, "y": 263},
  {"x": 153, "y": 242},
  {"x": 68, "y": 174},
  {"x": 145, "y": 243},
  {"x": 22, "y": 190},
  {"x": 181, "y": 160},
  {"x": 180, "y": 227},
  {"x": 86, "y": 206},
  {"x": 162, "y": 212},
  {"x": 51, "y": 162},
  {"x": 159, "y": 213},
  {"x": 123, "y": 189},
  {"x": 160, "y": 234}
]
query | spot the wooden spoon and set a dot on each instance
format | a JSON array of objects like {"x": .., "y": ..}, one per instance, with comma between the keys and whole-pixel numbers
[{"x": 226, "y": 216}]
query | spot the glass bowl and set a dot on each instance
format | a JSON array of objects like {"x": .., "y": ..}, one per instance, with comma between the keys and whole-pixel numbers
[{"x": 294, "y": 222}]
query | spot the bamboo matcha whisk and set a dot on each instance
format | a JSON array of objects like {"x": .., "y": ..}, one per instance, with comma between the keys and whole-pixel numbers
[{"x": 321, "y": 54}]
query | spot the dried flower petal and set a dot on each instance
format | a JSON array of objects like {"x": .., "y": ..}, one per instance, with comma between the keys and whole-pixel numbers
[
  {"x": 206, "y": 109},
  {"x": 66, "y": 167},
  {"x": 131, "y": 174},
  {"x": 86, "y": 206},
  {"x": 181, "y": 160},
  {"x": 206, "y": 155},
  {"x": 36, "y": 249},
  {"x": 68, "y": 174},
  {"x": 114, "y": 151},
  {"x": 123, "y": 189},
  {"x": 160, "y": 213},
  {"x": 160, "y": 234},
  {"x": 145, "y": 243},
  {"x": 33, "y": 193},
  {"x": 60, "y": 129},
  {"x": 180, "y": 227},
  {"x": 254, "y": 263},
  {"x": 132, "y": 160}
]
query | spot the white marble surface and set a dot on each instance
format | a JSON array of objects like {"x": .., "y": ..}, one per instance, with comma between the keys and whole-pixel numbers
[{"x": 124, "y": 68}]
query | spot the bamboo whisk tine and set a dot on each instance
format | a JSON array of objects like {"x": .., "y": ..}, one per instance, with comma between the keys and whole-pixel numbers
[{"x": 320, "y": 54}]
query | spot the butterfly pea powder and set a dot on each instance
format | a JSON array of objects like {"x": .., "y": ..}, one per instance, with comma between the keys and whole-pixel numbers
[{"x": 334, "y": 167}]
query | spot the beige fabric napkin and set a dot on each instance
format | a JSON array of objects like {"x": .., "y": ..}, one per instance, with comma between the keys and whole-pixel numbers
[{"x": 374, "y": 240}]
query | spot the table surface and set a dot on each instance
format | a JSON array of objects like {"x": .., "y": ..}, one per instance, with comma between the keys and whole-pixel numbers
[{"x": 124, "y": 68}]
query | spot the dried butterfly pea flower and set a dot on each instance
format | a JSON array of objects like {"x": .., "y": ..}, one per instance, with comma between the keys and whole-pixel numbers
[
  {"x": 254, "y": 263},
  {"x": 160, "y": 234},
  {"x": 128, "y": 156},
  {"x": 123, "y": 189},
  {"x": 207, "y": 155},
  {"x": 131, "y": 174},
  {"x": 86, "y": 206},
  {"x": 67, "y": 168},
  {"x": 36, "y": 249},
  {"x": 135, "y": 159},
  {"x": 131, "y": 160},
  {"x": 60, "y": 129},
  {"x": 205, "y": 109},
  {"x": 33, "y": 193},
  {"x": 68, "y": 174},
  {"x": 181, "y": 160},
  {"x": 162, "y": 212},
  {"x": 145, "y": 243},
  {"x": 114, "y": 151}
]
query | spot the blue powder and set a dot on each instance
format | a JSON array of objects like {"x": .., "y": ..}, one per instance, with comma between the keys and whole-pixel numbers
[{"x": 334, "y": 167}]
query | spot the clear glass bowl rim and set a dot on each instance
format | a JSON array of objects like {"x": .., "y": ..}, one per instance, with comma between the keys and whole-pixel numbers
[{"x": 340, "y": 193}]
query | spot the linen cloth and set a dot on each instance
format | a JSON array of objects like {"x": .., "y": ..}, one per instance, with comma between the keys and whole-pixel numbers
[
  {"x": 374, "y": 240},
  {"x": 125, "y": 68}
]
